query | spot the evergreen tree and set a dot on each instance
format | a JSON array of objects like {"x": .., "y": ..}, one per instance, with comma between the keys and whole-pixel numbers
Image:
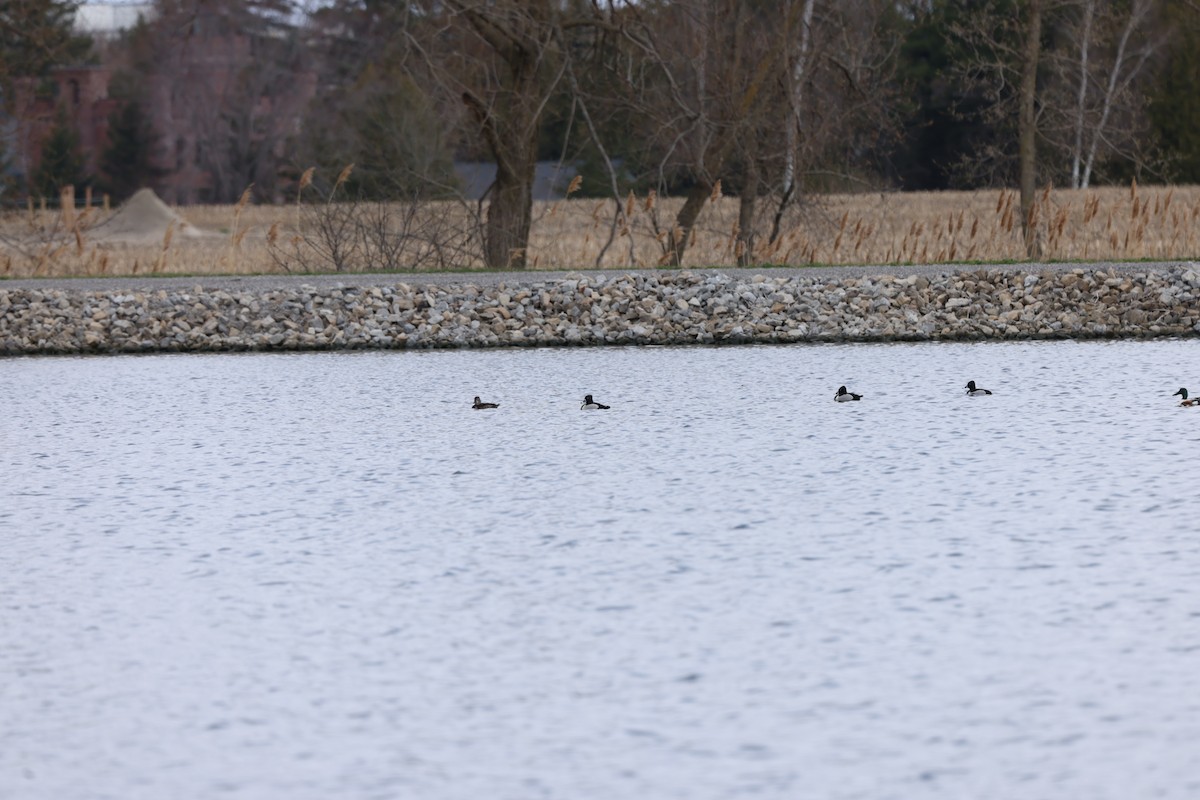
[
  {"x": 1175, "y": 106},
  {"x": 387, "y": 127},
  {"x": 36, "y": 35},
  {"x": 955, "y": 133},
  {"x": 61, "y": 164},
  {"x": 7, "y": 181},
  {"x": 125, "y": 163},
  {"x": 401, "y": 149}
]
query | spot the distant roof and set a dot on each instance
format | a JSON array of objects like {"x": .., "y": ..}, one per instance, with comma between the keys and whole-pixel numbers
[
  {"x": 99, "y": 18},
  {"x": 549, "y": 180}
]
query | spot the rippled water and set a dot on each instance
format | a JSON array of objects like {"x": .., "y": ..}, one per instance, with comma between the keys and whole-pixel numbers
[{"x": 325, "y": 576}]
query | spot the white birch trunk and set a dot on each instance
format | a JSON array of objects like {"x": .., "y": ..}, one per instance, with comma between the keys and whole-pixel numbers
[
  {"x": 1085, "y": 44},
  {"x": 1139, "y": 11},
  {"x": 795, "y": 122}
]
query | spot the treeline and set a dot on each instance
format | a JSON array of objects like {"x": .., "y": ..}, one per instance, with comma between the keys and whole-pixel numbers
[{"x": 766, "y": 100}]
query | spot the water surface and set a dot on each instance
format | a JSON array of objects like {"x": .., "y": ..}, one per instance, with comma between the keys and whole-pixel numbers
[{"x": 324, "y": 575}]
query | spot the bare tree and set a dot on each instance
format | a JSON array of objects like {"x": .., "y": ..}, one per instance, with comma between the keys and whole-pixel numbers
[
  {"x": 501, "y": 59},
  {"x": 797, "y": 77},
  {"x": 1084, "y": 49},
  {"x": 1005, "y": 43},
  {"x": 1069, "y": 72},
  {"x": 1111, "y": 46},
  {"x": 698, "y": 74},
  {"x": 840, "y": 97}
]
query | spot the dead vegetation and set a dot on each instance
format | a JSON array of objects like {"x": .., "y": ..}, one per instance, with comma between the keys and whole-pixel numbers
[{"x": 331, "y": 235}]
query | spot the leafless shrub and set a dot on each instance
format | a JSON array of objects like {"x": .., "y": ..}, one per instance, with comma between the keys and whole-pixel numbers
[
  {"x": 329, "y": 239},
  {"x": 345, "y": 234},
  {"x": 414, "y": 235}
]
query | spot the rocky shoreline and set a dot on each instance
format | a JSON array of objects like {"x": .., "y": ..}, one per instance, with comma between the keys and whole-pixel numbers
[{"x": 667, "y": 308}]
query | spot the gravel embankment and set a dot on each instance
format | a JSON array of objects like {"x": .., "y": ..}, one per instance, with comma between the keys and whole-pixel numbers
[{"x": 592, "y": 308}]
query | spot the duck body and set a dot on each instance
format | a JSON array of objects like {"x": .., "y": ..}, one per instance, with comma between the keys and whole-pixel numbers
[
  {"x": 974, "y": 391},
  {"x": 1195, "y": 401},
  {"x": 481, "y": 405},
  {"x": 844, "y": 396},
  {"x": 591, "y": 405}
]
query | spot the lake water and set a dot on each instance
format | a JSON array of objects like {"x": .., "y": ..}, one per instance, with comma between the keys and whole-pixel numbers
[{"x": 324, "y": 576}]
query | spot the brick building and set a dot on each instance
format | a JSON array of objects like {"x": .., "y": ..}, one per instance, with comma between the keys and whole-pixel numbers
[
  {"x": 207, "y": 85},
  {"x": 82, "y": 95},
  {"x": 217, "y": 91}
]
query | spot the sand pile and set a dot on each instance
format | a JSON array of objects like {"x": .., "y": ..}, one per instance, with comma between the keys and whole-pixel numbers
[{"x": 144, "y": 219}]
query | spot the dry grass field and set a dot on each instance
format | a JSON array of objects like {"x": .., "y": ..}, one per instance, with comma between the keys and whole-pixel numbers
[{"x": 1126, "y": 223}]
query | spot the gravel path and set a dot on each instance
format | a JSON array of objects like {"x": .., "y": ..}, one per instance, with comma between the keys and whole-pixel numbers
[{"x": 261, "y": 283}]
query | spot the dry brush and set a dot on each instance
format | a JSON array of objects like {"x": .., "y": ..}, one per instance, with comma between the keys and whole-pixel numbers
[{"x": 1105, "y": 224}]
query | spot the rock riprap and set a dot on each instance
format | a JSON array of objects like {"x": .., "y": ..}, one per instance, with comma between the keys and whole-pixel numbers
[{"x": 671, "y": 308}]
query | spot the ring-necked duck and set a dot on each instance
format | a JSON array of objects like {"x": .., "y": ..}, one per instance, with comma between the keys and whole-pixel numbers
[
  {"x": 1195, "y": 401},
  {"x": 591, "y": 405},
  {"x": 478, "y": 405},
  {"x": 843, "y": 396},
  {"x": 974, "y": 392}
]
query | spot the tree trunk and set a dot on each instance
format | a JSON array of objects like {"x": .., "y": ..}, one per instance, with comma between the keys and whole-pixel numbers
[
  {"x": 511, "y": 136},
  {"x": 510, "y": 211},
  {"x": 745, "y": 237},
  {"x": 1027, "y": 126},
  {"x": 686, "y": 219},
  {"x": 795, "y": 123},
  {"x": 746, "y": 207},
  {"x": 517, "y": 33}
]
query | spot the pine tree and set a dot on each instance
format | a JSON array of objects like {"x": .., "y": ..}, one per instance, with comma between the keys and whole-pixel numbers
[
  {"x": 1174, "y": 108},
  {"x": 7, "y": 178},
  {"x": 125, "y": 163},
  {"x": 35, "y": 35},
  {"x": 61, "y": 164}
]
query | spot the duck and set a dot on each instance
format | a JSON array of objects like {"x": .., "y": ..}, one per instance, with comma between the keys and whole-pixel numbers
[
  {"x": 844, "y": 396},
  {"x": 591, "y": 405},
  {"x": 479, "y": 404},
  {"x": 1195, "y": 401},
  {"x": 973, "y": 391}
]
